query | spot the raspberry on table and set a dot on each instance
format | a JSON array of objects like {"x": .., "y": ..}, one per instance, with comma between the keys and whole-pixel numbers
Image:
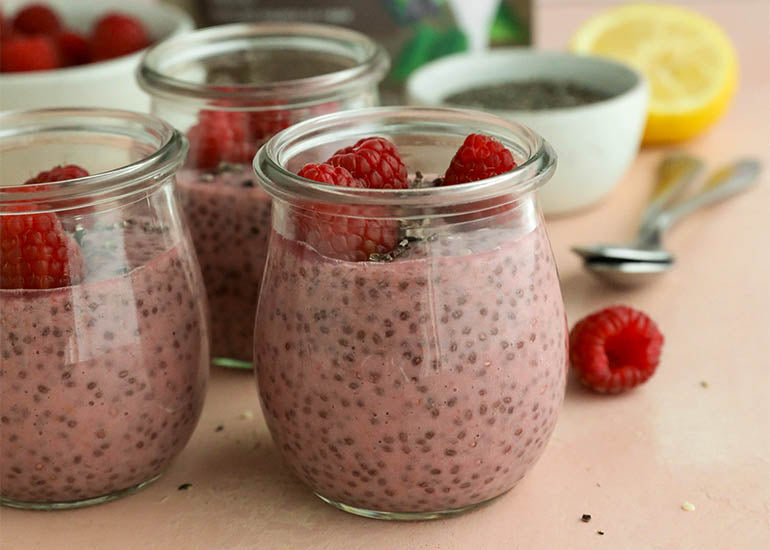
[
  {"x": 118, "y": 34},
  {"x": 345, "y": 232},
  {"x": 59, "y": 173},
  {"x": 29, "y": 53},
  {"x": 36, "y": 253},
  {"x": 36, "y": 19},
  {"x": 375, "y": 161},
  {"x": 478, "y": 158},
  {"x": 615, "y": 349}
]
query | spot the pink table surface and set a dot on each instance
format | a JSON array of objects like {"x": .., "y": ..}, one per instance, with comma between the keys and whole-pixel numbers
[{"x": 630, "y": 461}]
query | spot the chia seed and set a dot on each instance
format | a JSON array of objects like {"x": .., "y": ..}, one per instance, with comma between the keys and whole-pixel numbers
[{"x": 529, "y": 95}]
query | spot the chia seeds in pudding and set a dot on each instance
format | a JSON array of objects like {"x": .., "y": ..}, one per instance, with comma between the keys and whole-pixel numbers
[
  {"x": 527, "y": 95},
  {"x": 102, "y": 383},
  {"x": 431, "y": 382},
  {"x": 229, "y": 221}
]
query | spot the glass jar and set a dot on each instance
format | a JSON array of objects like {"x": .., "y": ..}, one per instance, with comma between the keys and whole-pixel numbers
[
  {"x": 103, "y": 331},
  {"x": 425, "y": 381},
  {"x": 230, "y": 88}
]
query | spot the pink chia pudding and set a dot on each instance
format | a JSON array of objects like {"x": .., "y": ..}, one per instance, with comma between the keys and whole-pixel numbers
[
  {"x": 102, "y": 383},
  {"x": 429, "y": 383},
  {"x": 229, "y": 220}
]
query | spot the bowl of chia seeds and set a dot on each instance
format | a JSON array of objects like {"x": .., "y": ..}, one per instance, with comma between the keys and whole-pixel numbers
[{"x": 592, "y": 111}]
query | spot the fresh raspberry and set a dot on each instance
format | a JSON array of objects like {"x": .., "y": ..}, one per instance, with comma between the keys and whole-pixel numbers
[
  {"x": 6, "y": 29},
  {"x": 117, "y": 34},
  {"x": 29, "y": 53},
  {"x": 265, "y": 124},
  {"x": 478, "y": 158},
  {"x": 331, "y": 175},
  {"x": 62, "y": 173},
  {"x": 36, "y": 253},
  {"x": 58, "y": 173},
  {"x": 37, "y": 19},
  {"x": 343, "y": 231},
  {"x": 615, "y": 349},
  {"x": 375, "y": 161},
  {"x": 220, "y": 136},
  {"x": 73, "y": 48}
]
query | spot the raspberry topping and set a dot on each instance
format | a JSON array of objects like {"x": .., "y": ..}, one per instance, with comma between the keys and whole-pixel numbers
[
  {"x": 58, "y": 173},
  {"x": 265, "y": 124},
  {"x": 331, "y": 175},
  {"x": 36, "y": 253},
  {"x": 478, "y": 158},
  {"x": 343, "y": 231},
  {"x": 615, "y": 349},
  {"x": 36, "y": 19},
  {"x": 29, "y": 53},
  {"x": 220, "y": 136},
  {"x": 73, "y": 48},
  {"x": 375, "y": 161},
  {"x": 117, "y": 34}
]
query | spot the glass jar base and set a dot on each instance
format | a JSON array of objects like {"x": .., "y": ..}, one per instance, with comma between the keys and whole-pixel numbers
[
  {"x": 407, "y": 516},
  {"x": 70, "y": 505},
  {"x": 231, "y": 363}
]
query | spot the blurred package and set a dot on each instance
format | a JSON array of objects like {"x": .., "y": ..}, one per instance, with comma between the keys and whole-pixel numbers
[{"x": 413, "y": 31}]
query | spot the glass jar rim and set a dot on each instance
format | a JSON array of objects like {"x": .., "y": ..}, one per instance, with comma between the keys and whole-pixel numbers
[
  {"x": 150, "y": 74},
  {"x": 534, "y": 171},
  {"x": 136, "y": 177}
]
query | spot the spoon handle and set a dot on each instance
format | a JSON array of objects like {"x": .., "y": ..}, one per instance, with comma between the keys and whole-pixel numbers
[
  {"x": 723, "y": 184},
  {"x": 675, "y": 173}
]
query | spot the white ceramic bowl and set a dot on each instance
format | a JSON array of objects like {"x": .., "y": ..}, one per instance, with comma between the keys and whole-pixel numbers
[
  {"x": 109, "y": 84},
  {"x": 595, "y": 143}
]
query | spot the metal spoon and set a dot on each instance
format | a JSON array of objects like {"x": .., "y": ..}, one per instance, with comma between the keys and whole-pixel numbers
[
  {"x": 628, "y": 273},
  {"x": 675, "y": 173},
  {"x": 721, "y": 185}
]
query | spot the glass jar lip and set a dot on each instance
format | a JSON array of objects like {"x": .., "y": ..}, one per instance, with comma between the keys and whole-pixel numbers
[
  {"x": 354, "y": 124},
  {"x": 155, "y": 81},
  {"x": 106, "y": 186}
]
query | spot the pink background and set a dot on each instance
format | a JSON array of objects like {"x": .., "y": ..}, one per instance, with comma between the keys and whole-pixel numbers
[{"x": 629, "y": 461}]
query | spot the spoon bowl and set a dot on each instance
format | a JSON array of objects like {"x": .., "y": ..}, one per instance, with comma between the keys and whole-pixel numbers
[
  {"x": 628, "y": 273},
  {"x": 608, "y": 252}
]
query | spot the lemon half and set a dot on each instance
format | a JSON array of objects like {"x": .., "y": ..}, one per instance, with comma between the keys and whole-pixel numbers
[{"x": 688, "y": 60}]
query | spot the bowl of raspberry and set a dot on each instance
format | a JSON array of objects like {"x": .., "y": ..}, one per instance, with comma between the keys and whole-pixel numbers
[
  {"x": 58, "y": 53},
  {"x": 410, "y": 340},
  {"x": 103, "y": 328}
]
